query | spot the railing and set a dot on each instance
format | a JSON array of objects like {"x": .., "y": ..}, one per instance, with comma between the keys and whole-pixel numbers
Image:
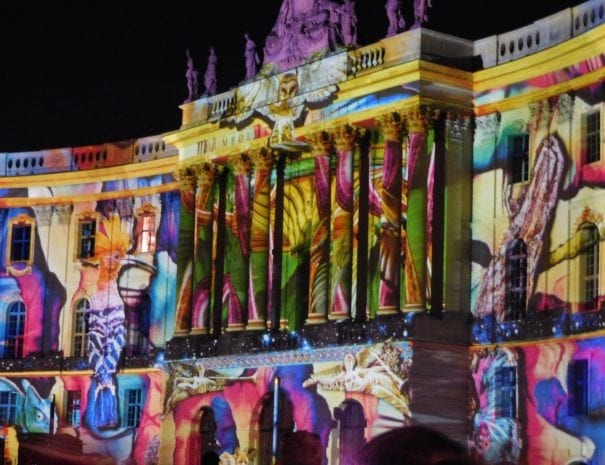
[{"x": 366, "y": 58}]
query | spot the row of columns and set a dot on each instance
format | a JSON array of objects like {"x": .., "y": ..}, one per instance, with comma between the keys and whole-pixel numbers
[{"x": 231, "y": 235}]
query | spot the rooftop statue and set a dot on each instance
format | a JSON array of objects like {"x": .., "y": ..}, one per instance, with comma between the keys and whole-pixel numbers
[
  {"x": 210, "y": 74},
  {"x": 303, "y": 28},
  {"x": 191, "y": 74},
  {"x": 421, "y": 12},
  {"x": 348, "y": 22},
  {"x": 396, "y": 21},
  {"x": 251, "y": 56}
]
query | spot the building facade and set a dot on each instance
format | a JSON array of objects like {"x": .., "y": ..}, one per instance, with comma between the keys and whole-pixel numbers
[{"x": 353, "y": 239}]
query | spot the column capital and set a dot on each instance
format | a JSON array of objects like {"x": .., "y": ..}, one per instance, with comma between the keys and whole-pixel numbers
[
  {"x": 242, "y": 163},
  {"x": 419, "y": 118},
  {"x": 457, "y": 125},
  {"x": 345, "y": 138},
  {"x": 321, "y": 142},
  {"x": 186, "y": 175},
  {"x": 206, "y": 173},
  {"x": 262, "y": 159},
  {"x": 63, "y": 212},
  {"x": 391, "y": 125}
]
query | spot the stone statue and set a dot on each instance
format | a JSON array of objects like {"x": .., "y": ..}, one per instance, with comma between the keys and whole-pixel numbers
[
  {"x": 251, "y": 56},
  {"x": 348, "y": 22},
  {"x": 191, "y": 75},
  {"x": 304, "y": 28},
  {"x": 210, "y": 74},
  {"x": 396, "y": 21},
  {"x": 421, "y": 12}
]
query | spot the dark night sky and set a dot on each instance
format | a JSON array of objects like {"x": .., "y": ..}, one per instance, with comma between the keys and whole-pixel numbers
[{"x": 84, "y": 72}]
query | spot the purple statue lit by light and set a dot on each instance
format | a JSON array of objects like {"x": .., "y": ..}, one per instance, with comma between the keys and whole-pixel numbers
[
  {"x": 192, "y": 83},
  {"x": 396, "y": 21},
  {"x": 421, "y": 12},
  {"x": 210, "y": 74},
  {"x": 348, "y": 22},
  {"x": 251, "y": 56}
]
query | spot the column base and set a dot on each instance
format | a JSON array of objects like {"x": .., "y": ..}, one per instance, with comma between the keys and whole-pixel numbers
[
  {"x": 387, "y": 311},
  {"x": 198, "y": 331},
  {"x": 339, "y": 316},
  {"x": 256, "y": 325},
  {"x": 233, "y": 327},
  {"x": 315, "y": 319}
]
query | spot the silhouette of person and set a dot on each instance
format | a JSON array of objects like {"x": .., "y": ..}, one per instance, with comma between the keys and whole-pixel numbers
[
  {"x": 300, "y": 448},
  {"x": 414, "y": 445}
]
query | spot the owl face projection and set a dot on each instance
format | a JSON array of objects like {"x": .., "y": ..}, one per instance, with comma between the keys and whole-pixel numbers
[{"x": 288, "y": 88}]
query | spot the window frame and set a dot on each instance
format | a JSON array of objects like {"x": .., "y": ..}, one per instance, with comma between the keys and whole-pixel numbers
[
  {"x": 8, "y": 404},
  {"x": 133, "y": 410},
  {"x": 589, "y": 268},
  {"x": 505, "y": 392},
  {"x": 80, "y": 335},
  {"x": 516, "y": 280},
  {"x": 591, "y": 139},
  {"x": 14, "y": 340},
  {"x": 578, "y": 379},
  {"x": 82, "y": 252},
  {"x": 21, "y": 221},
  {"x": 73, "y": 408},
  {"x": 518, "y": 157},
  {"x": 142, "y": 232}
]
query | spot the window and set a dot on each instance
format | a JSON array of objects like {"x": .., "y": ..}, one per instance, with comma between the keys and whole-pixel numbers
[
  {"x": 87, "y": 229},
  {"x": 15, "y": 329},
  {"x": 506, "y": 392},
  {"x": 146, "y": 229},
  {"x": 589, "y": 267},
  {"x": 516, "y": 280},
  {"x": 134, "y": 406},
  {"x": 592, "y": 127},
  {"x": 21, "y": 231},
  {"x": 8, "y": 407},
  {"x": 577, "y": 385},
  {"x": 72, "y": 408},
  {"x": 519, "y": 157},
  {"x": 80, "y": 334}
]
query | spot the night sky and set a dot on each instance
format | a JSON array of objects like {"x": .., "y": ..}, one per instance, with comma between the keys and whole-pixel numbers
[{"x": 84, "y": 72}]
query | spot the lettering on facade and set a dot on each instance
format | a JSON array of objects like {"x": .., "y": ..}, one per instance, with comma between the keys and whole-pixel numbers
[{"x": 231, "y": 139}]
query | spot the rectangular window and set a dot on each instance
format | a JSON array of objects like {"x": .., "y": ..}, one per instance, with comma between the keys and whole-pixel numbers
[
  {"x": 134, "y": 406},
  {"x": 86, "y": 238},
  {"x": 577, "y": 385},
  {"x": 15, "y": 330},
  {"x": 593, "y": 137},
  {"x": 146, "y": 232},
  {"x": 72, "y": 409},
  {"x": 506, "y": 392},
  {"x": 8, "y": 407},
  {"x": 519, "y": 157},
  {"x": 21, "y": 243}
]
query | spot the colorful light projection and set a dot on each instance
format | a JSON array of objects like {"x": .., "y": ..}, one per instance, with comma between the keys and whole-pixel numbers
[
  {"x": 549, "y": 212},
  {"x": 311, "y": 386},
  {"x": 557, "y": 421}
]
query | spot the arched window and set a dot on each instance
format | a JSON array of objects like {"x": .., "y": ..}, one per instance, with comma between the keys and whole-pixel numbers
[
  {"x": 351, "y": 426},
  {"x": 80, "y": 334},
  {"x": 284, "y": 424},
  {"x": 589, "y": 267},
  {"x": 516, "y": 280},
  {"x": 207, "y": 431},
  {"x": 15, "y": 329}
]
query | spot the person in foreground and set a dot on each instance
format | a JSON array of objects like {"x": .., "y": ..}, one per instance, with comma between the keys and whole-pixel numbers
[{"x": 414, "y": 445}]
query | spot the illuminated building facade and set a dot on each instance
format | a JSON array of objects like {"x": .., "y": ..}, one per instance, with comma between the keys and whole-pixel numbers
[{"x": 349, "y": 241}]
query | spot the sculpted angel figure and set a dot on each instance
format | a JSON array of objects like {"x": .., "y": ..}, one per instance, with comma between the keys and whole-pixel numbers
[
  {"x": 367, "y": 373},
  {"x": 396, "y": 21},
  {"x": 210, "y": 74},
  {"x": 191, "y": 75}
]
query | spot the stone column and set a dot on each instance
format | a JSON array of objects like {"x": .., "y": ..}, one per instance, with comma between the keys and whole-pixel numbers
[
  {"x": 238, "y": 267},
  {"x": 258, "y": 283},
  {"x": 341, "y": 264},
  {"x": 187, "y": 177},
  {"x": 203, "y": 246},
  {"x": 414, "y": 200},
  {"x": 391, "y": 195},
  {"x": 319, "y": 279}
]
